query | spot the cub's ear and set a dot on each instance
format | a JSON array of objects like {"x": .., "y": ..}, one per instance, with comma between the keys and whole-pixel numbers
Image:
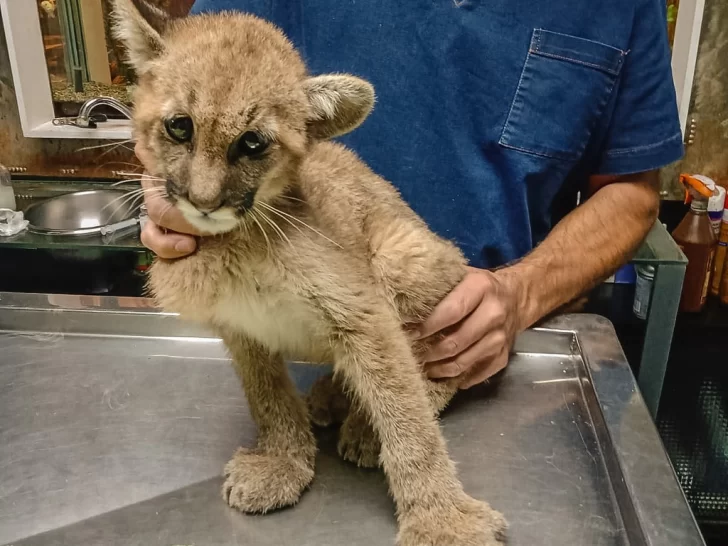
[
  {"x": 339, "y": 104},
  {"x": 139, "y": 26}
]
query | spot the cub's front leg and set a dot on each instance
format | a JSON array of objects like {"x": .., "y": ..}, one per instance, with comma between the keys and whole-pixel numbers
[
  {"x": 375, "y": 360},
  {"x": 279, "y": 469},
  {"x": 358, "y": 442}
]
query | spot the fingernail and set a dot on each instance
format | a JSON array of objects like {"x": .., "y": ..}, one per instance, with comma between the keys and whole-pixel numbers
[
  {"x": 414, "y": 334},
  {"x": 185, "y": 245}
]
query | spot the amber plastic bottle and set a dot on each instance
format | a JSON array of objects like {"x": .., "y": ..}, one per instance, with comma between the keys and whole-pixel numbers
[
  {"x": 721, "y": 251},
  {"x": 695, "y": 237},
  {"x": 723, "y": 289}
]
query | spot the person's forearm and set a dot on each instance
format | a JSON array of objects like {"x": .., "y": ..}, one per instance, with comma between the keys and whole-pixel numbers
[{"x": 587, "y": 246}]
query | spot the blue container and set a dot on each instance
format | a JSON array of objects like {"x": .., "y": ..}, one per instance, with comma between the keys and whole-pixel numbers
[{"x": 626, "y": 275}]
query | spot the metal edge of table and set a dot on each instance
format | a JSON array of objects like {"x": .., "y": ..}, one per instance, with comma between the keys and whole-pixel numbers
[
  {"x": 651, "y": 504},
  {"x": 653, "y": 508}
]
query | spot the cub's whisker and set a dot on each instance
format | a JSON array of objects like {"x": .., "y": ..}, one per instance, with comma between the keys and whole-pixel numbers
[
  {"x": 108, "y": 144},
  {"x": 130, "y": 197},
  {"x": 289, "y": 217},
  {"x": 146, "y": 176},
  {"x": 254, "y": 216},
  {"x": 106, "y": 164},
  {"x": 127, "y": 202},
  {"x": 112, "y": 147},
  {"x": 292, "y": 198},
  {"x": 276, "y": 228},
  {"x": 164, "y": 212},
  {"x": 128, "y": 181},
  {"x": 114, "y": 201}
]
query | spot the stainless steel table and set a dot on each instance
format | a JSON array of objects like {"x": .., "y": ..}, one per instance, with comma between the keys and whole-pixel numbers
[{"x": 116, "y": 420}]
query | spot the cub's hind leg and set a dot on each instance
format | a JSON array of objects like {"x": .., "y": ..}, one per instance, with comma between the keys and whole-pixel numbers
[
  {"x": 327, "y": 402},
  {"x": 276, "y": 472},
  {"x": 359, "y": 443}
]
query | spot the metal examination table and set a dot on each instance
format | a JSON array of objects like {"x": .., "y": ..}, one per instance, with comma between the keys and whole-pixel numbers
[{"x": 116, "y": 422}]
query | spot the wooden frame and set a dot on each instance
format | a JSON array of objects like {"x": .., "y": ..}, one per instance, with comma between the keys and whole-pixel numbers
[
  {"x": 32, "y": 85},
  {"x": 685, "y": 53}
]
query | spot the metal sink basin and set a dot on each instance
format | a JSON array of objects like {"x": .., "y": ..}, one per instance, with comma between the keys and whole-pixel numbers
[{"x": 81, "y": 213}]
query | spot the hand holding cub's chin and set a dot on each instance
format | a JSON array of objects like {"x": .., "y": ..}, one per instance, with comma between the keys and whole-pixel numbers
[{"x": 167, "y": 233}]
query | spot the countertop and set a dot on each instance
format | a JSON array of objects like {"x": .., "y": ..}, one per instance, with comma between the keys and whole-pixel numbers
[{"x": 116, "y": 421}]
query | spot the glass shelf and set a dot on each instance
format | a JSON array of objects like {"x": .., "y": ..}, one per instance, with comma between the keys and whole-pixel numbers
[
  {"x": 28, "y": 240},
  {"x": 28, "y": 192},
  {"x": 659, "y": 249}
]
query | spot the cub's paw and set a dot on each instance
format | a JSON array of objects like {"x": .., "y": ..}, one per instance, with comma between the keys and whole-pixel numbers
[
  {"x": 473, "y": 523},
  {"x": 327, "y": 402},
  {"x": 358, "y": 443},
  {"x": 256, "y": 482}
]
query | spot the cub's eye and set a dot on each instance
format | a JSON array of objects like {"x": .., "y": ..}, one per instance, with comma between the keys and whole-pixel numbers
[
  {"x": 251, "y": 143},
  {"x": 248, "y": 144},
  {"x": 180, "y": 128}
]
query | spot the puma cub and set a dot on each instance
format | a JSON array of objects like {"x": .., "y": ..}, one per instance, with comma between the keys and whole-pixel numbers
[{"x": 314, "y": 257}]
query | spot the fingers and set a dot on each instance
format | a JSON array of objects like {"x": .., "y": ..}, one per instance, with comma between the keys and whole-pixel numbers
[
  {"x": 487, "y": 369},
  {"x": 161, "y": 211},
  {"x": 175, "y": 244},
  {"x": 167, "y": 245},
  {"x": 489, "y": 317},
  {"x": 478, "y": 355},
  {"x": 458, "y": 304}
]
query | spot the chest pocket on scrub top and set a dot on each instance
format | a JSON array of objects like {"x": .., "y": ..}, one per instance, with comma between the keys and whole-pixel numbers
[{"x": 564, "y": 88}]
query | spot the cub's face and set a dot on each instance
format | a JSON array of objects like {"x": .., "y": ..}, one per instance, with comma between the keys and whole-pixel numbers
[{"x": 226, "y": 109}]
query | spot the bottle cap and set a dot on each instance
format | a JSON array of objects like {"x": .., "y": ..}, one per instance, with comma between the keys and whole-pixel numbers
[
  {"x": 697, "y": 187},
  {"x": 717, "y": 202}
]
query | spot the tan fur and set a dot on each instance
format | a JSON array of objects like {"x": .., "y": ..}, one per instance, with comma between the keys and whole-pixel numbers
[{"x": 330, "y": 273}]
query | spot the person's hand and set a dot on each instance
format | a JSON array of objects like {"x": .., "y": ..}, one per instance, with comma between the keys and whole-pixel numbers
[
  {"x": 167, "y": 233},
  {"x": 479, "y": 320}
]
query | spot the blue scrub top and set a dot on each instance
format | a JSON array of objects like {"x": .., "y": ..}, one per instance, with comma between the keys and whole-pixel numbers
[{"x": 486, "y": 109}]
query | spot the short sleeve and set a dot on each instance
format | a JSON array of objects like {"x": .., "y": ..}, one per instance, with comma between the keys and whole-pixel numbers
[
  {"x": 214, "y": 6},
  {"x": 644, "y": 130}
]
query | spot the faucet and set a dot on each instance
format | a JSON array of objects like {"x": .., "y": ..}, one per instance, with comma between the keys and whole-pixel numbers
[{"x": 85, "y": 119}]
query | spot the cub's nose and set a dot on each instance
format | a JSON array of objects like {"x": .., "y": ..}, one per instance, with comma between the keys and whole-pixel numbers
[{"x": 205, "y": 205}]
